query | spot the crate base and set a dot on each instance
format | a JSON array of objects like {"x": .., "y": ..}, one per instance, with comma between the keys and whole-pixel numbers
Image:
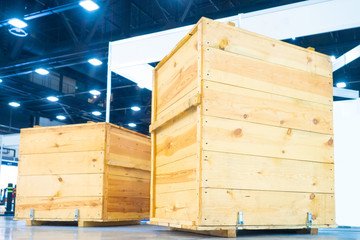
[
  {"x": 81, "y": 223},
  {"x": 233, "y": 233}
]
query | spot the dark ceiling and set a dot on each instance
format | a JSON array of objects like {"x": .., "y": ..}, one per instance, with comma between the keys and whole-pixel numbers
[{"x": 66, "y": 36}]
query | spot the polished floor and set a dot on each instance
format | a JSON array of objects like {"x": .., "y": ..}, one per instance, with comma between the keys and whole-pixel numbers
[{"x": 10, "y": 230}]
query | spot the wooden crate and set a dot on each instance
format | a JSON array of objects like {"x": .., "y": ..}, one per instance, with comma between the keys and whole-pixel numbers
[
  {"x": 98, "y": 171},
  {"x": 241, "y": 124}
]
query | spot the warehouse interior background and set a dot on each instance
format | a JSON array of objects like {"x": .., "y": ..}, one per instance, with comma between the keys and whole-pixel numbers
[{"x": 54, "y": 71}]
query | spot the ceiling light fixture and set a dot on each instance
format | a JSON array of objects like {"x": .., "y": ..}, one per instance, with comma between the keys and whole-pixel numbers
[
  {"x": 14, "y": 104},
  {"x": 95, "y": 62},
  {"x": 52, "y": 99},
  {"x": 135, "y": 108},
  {"x": 95, "y": 92},
  {"x": 42, "y": 71},
  {"x": 341, "y": 85},
  {"x": 18, "y": 32},
  {"x": 1, "y": 81},
  {"x": 89, "y": 5},
  {"x": 17, "y": 23},
  {"x": 60, "y": 117},
  {"x": 132, "y": 125},
  {"x": 96, "y": 113}
]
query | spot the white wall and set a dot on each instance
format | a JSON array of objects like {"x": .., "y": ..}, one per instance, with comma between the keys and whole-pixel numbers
[{"x": 347, "y": 162}]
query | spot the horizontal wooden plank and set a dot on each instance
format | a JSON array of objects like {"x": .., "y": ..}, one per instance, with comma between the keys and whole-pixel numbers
[
  {"x": 177, "y": 76},
  {"x": 264, "y": 76},
  {"x": 128, "y": 150},
  {"x": 128, "y": 205},
  {"x": 58, "y": 208},
  {"x": 60, "y": 185},
  {"x": 232, "y": 136},
  {"x": 177, "y": 140},
  {"x": 239, "y": 41},
  {"x": 72, "y": 138},
  {"x": 182, "y": 205},
  {"x": 177, "y": 176},
  {"x": 226, "y": 101},
  {"x": 120, "y": 186},
  {"x": 127, "y": 172},
  {"x": 221, "y": 207},
  {"x": 264, "y": 173},
  {"x": 61, "y": 163}
]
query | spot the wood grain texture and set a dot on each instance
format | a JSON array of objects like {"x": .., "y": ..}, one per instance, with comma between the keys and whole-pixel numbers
[
  {"x": 256, "y": 46},
  {"x": 69, "y": 138},
  {"x": 265, "y": 173},
  {"x": 247, "y": 72},
  {"x": 176, "y": 77},
  {"x": 226, "y": 101},
  {"x": 58, "y": 208},
  {"x": 53, "y": 163},
  {"x": 265, "y": 207},
  {"x": 60, "y": 185},
  {"x": 263, "y": 140}
]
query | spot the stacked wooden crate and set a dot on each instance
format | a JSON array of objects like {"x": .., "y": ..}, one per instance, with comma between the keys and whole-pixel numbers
[
  {"x": 93, "y": 173},
  {"x": 242, "y": 134}
]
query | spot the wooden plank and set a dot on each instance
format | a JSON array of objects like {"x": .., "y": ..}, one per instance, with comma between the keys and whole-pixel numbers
[
  {"x": 53, "y": 163},
  {"x": 107, "y": 224},
  {"x": 216, "y": 233},
  {"x": 265, "y": 207},
  {"x": 58, "y": 208},
  {"x": 250, "y": 44},
  {"x": 226, "y": 135},
  {"x": 177, "y": 140},
  {"x": 177, "y": 205},
  {"x": 226, "y": 101},
  {"x": 128, "y": 208},
  {"x": 128, "y": 150},
  {"x": 71, "y": 138},
  {"x": 60, "y": 185},
  {"x": 128, "y": 172},
  {"x": 247, "y": 72},
  {"x": 193, "y": 101},
  {"x": 120, "y": 186},
  {"x": 177, "y": 76},
  {"x": 177, "y": 176},
  {"x": 264, "y": 173}
]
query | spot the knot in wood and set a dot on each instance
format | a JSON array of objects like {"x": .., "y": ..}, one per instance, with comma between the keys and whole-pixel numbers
[
  {"x": 330, "y": 142},
  {"x": 312, "y": 196},
  {"x": 289, "y": 131},
  {"x": 237, "y": 131},
  {"x": 315, "y": 121},
  {"x": 245, "y": 116},
  {"x": 60, "y": 179},
  {"x": 223, "y": 44}
]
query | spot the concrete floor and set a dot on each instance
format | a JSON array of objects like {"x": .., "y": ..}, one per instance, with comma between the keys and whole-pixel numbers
[{"x": 11, "y": 230}]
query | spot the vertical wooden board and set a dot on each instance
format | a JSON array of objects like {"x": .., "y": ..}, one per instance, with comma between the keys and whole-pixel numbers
[
  {"x": 58, "y": 208},
  {"x": 177, "y": 139},
  {"x": 177, "y": 205},
  {"x": 61, "y": 163},
  {"x": 263, "y": 173},
  {"x": 265, "y": 207},
  {"x": 60, "y": 185},
  {"x": 128, "y": 150},
  {"x": 247, "y": 72},
  {"x": 70, "y": 138},
  {"x": 177, "y": 176},
  {"x": 219, "y": 35},
  {"x": 226, "y": 101},
  {"x": 120, "y": 186},
  {"x": 226, "y": 135},
  {"x": 177, "y": 76}
]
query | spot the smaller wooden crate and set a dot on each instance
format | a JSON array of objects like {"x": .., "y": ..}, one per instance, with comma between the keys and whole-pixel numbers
[{"x": 93, "y": 173}]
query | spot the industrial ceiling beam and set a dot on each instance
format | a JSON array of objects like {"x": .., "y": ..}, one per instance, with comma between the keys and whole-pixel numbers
[{"x": 346, "y": 58}]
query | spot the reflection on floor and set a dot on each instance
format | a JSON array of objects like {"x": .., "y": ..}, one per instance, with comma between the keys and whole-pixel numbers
[{"x": 11, "y": 230}]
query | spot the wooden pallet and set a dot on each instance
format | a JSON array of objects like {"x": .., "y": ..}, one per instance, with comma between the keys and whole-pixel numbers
[{"x": 81, "y": 223}]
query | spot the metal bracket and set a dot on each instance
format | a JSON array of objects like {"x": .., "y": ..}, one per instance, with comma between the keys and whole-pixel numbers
[
  {"x": 31, "y": 214},
  {"x": 240, "y": 221},
  {"x": 76, "y": 215},
  {"x": 309, "y": 220}
]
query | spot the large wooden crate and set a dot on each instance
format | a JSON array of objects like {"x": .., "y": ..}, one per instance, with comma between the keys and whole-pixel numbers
[
  {"x": 242, "y": 134},
  {"x": 89, "y": 173}
]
